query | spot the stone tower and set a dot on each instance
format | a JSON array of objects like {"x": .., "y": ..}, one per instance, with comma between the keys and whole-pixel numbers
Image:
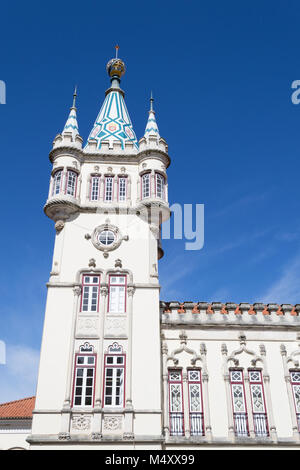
[{"x": 100, "y": 369}]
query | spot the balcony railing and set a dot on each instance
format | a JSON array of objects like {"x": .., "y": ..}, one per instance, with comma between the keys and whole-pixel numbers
[
  {"x": 196, "y": 423},
  {"x": 241, "y": 424},
  {"x": 260, "y": 424},
  {"x": 176, "y": 424}
]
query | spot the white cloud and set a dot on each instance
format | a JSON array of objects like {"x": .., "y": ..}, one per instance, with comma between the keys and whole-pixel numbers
[
  {"x": 18, "y": 377},
  {"x": 287, "y": 288}
]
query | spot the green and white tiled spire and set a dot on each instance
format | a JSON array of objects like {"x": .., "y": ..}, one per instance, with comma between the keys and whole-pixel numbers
[{"x": 113, "y": 124}]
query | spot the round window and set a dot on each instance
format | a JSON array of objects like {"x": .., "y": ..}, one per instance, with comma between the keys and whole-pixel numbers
[{"x": 106, "y": 237}]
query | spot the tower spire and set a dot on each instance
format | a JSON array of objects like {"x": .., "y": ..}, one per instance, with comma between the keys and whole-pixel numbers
[
  {"x": 151, "y": 127},
  {"x": 71, "y": 126},
  {"x": 113, "y": 127}
]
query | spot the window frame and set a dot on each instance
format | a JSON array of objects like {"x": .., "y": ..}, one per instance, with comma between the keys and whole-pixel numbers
[
  {"x": 261, "y": 383},
  {"x": 69, "y": 173},
  {"x": 83, "y": 284},
  {"x": 198, "y": 382},
  {"x": 83, "y": 366},
  {"x": 105, "y": 188},
  {"x": 114, "y": 366},
  {"x": 293, "y": 384},
  {"x": 160, "y": 175},
  {"x": 147, "y": 174},
  {"x": 117, "y": 285},
  {"x": 242, "y": 382},
  {"x": 61, "y": 172},
  {"x": 180, "y": 382},
  {"x": 98, "y": 178},
  {"x": 125, "y": 178}
]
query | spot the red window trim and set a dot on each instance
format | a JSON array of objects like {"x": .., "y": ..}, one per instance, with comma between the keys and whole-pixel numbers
[
  {"x": 112, "y": 189},
  {"x": 87, "y": 366},
  {"x": 201, "y": 391},
  {"x": 295, "y": 383},
  {"x": 164, "y": 184},
  {"x": 82, "y": 286},
  {"x": 261, "y": 382},
  {"x": 59, "y": 170},
  {"x": 67, "y": 179},
  {"x": 182, "y": 397},
  {"x": 122, "y": 285},
  {"x": 126, "y": 186},
  {"x": 99, "y": 187},
  {"x": 103, "y": 382},
  {"x": 236, "y": 369},
  {"x": 150, "y": 189}
]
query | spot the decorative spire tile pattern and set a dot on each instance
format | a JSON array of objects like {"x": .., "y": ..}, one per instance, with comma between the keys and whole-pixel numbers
[
  {"x": 71, "y": 125},
  {"x": 113, "y": 123},
  {"x": 151, "y": 127}
]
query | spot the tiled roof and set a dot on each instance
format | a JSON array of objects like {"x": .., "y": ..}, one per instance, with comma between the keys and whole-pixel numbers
[
  {"x": 19, "y": 409},
  {"x": 238, "y": 309}
]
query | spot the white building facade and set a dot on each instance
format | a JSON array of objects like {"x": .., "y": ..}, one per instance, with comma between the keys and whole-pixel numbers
[{"x": 120, "y": 369}]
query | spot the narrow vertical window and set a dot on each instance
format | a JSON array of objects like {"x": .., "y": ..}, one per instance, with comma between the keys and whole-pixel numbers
[
  {"x": 146, "y": 185},
  {"x": 176, "y": 403},
  {"x": 122, "y": 184},
  {"x": 95, "y": 188},
  {"x": 195, "y": 402},
  {"x": 239, "y": 403},
  {"x": 117, "y": 294},
  {"x": 108, "y": 196},
  {"x": 160, "y": 186},
  {"x": 258, "y": 403},
  {"x": 57, "y": 180},
  {"x": 84, "y": 379},
  {"x": 295, "y": 383},
  {"x": 90, "y": 293},
  {"x": 114, "y": 378},
  {"x": 71, "y": 183}
]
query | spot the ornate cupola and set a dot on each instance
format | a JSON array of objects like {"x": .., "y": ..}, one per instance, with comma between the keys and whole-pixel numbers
[{"x": 113, "y": 130}]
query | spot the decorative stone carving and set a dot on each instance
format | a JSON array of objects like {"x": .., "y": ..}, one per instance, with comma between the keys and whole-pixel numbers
[
  {"x": 92, "y": 263},
  {"x": 112, "y": 423},
  {"x": 59, "y": 226},
  {"x": 87, "y": 326},
  {"x": 87, "y": 236},
  {"x": 115, "y": 327},
  {"x": 113, "y": 245},
  {"x": 64, "y": 436},
  {"x": 130, "y": 290},
  {"x": 118, "y": 263},
  {"x": 77, "y": 290},
  {"x": 96, "y": 436},
  {"x": 81, "y": 422}
]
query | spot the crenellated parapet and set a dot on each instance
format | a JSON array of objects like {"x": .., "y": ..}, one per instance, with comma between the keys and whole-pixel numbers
[{"x": 231, "y": 314}]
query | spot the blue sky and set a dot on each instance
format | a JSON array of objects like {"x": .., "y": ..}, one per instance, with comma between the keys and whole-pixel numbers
[{"x": 221, "y": 74}]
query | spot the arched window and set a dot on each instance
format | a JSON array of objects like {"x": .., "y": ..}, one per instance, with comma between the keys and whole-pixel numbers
[{"x": 57, "y": 181}]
